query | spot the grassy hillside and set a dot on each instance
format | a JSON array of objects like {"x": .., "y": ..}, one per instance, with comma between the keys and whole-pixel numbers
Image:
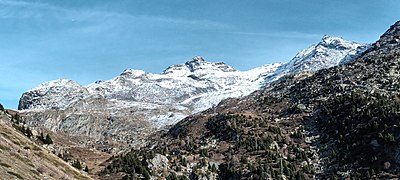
[{"x": 21, "y": 158}]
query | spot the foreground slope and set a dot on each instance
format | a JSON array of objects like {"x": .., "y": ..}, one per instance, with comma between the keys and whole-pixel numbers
[
  {"x": 20, "y": 158},
  {"x": 340, "y": 122}
]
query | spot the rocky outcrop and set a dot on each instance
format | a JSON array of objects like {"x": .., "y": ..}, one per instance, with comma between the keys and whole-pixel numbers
[{"x": 58, "y": 94}]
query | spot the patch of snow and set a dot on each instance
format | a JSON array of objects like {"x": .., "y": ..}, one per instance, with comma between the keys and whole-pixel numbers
[{"x": 170, "y": 118}]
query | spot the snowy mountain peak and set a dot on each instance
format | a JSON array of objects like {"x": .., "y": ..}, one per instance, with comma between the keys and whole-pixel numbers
[
  {"x": 328, "y": 39},
  {"x": 133, "y": 73},
  {"x": 329, "y": 52},
  {"x": 196, "y": 63},
  {"x": 199, "y": 63},
  {"x": 197, "y": 59},
  {"x": 57, "y": 93},
  {"x": 56, "y": 83},
  {"x": 177, "y": 70},
  {"x": 197, "y": 66},
  {"x": 337, "y": 43}
]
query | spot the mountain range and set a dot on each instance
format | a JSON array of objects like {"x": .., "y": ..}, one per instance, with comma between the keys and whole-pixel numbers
[{"x": 135, "y": 103}]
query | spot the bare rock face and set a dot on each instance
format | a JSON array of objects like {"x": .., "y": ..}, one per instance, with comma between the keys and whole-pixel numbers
[{"x": 159, "y": 163}]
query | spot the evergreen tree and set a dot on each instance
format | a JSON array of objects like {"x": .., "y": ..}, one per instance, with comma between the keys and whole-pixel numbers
[
  {"x": 77, "y": 164},
  {"x": 178, "y": 168},
  {"x": 28, "y": 132},
  {"x": 213, "y": 168},
  {"x": 184, "y": 162},
  {"x": 41, "y": 137},
  {"x": 17, "y": 118},
  {"x": 300, "y": 176},
  {"x": 48, "y": 140}
]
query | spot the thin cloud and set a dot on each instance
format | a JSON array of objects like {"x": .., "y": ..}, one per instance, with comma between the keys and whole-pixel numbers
[
  {"x": 25, "y": 9},
  {"x": 203, "y": 23},
  {"x": 283, "y": 34}
]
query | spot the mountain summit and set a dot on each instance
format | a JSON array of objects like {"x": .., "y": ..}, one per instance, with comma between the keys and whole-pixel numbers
[
  {"x": 198, "y": 63},
  {"x": 197, "y": 66},
  {"x": 329, "y": 52},
  {"x": 58, "y": 93}
]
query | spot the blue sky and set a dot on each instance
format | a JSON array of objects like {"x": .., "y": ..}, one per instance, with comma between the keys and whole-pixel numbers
[{"x": 92, "y": 39}]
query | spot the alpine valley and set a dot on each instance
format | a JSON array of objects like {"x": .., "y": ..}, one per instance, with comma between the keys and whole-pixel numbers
[{"x": 329, "y": 113}]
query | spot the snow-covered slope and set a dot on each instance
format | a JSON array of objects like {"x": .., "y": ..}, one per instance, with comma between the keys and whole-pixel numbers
[
  {"x": 196, "y": 85},
  {"x": 141, "y": 101},
  {"x": 137, "y": 97}
]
